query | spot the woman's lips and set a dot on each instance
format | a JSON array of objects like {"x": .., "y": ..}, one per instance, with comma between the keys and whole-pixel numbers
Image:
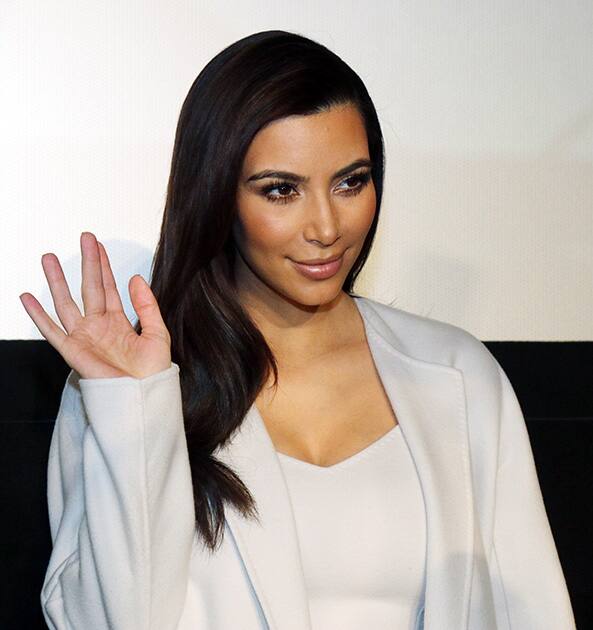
[{"x": 319, "y": 272}]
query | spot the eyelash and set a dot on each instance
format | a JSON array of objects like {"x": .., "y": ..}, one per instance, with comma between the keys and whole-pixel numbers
[{"x": 362, "y": 178}]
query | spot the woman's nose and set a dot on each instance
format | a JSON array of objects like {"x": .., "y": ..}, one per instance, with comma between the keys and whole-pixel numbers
[{"x": 323, "y": 223}]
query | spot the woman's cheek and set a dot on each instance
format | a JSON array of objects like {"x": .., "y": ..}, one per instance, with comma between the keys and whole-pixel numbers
[
  {"x": 272, "y": 236},
  {"x": 367, "y": 215}
]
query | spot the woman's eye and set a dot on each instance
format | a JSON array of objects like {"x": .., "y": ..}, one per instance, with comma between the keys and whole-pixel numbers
[
  {"x": 283, "y": 187},
  {"x": 357, "y": 182},
  {"x": 281, "y": 190}
]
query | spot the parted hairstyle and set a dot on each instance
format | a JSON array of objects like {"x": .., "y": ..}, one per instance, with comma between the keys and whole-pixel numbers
[{"x": 223, "y": 357}]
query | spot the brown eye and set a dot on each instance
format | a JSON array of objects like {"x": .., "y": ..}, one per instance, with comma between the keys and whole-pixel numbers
[
  {"x": 279, "y": 186},
  {"x": 358, "y": 182}
]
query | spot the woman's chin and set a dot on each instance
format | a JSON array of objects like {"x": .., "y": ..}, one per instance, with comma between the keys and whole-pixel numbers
[{"x": 316, "y": 295}]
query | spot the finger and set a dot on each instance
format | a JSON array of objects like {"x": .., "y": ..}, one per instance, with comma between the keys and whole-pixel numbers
[
  {"x": 93, "y": 292},
  {"x": 146, "y": 307},
  {"x": 66, "y": 308},
  {"x": 45, "y": 324},
  {"x": 112, "y": 297}
]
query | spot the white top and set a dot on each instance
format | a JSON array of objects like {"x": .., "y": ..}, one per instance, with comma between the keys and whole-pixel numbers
[{"x": 369, "y": 571}]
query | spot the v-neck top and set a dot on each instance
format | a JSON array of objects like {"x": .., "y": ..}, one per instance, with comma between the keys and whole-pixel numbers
[{"x": 362, "y": 536}]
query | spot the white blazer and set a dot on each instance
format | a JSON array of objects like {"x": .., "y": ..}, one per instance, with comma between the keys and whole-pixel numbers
[{"x": 126, "y": 555}]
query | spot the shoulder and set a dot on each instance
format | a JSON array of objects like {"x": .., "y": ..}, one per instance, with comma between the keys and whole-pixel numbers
[{"x": 430, "y": 340}]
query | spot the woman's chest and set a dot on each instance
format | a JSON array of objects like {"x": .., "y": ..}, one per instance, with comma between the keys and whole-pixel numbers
[{"x": 326, "y": 413}]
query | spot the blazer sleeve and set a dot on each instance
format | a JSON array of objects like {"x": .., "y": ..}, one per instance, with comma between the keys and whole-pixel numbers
[
  {"x": 530, "y": 585},
  {"x": 120, "y": 503}
]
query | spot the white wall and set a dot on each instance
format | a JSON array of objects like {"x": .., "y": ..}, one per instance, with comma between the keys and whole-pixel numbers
[{"x": 486, "y": 107}]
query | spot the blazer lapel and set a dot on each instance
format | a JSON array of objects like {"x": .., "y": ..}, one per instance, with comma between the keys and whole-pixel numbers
[
  {"x": 269, "y": 548},
  {"x": 429, "y": 401}
]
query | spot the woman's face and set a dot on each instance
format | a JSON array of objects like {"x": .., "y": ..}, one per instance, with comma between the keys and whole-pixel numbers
[{"x": 319, "y": 205}]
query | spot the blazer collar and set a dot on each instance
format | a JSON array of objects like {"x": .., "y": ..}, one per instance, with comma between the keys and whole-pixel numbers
[{"x": 429, "y": 401}]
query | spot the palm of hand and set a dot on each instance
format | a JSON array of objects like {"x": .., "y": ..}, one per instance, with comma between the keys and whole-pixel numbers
[{"x": 101, "y": 343}]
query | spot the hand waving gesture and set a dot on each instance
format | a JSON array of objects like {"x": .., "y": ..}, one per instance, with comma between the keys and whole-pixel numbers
[{"x": 102, "y": 343}]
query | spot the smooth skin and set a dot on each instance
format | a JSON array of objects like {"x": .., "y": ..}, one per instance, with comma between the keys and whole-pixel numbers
[
  {"x": 330, "y": 402},
  {"x": 101, "y": 343},
  {"x": 317, "y": 219}
]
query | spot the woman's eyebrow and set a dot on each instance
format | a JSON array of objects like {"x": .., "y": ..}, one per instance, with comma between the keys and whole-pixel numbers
[{"x": 299, "y": 179}]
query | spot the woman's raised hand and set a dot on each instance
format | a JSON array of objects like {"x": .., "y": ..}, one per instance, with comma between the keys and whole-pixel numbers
[{"x": 102, "y": 343}]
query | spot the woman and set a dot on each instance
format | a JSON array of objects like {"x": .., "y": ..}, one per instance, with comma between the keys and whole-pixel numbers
[{"x": 267, "y": 449}]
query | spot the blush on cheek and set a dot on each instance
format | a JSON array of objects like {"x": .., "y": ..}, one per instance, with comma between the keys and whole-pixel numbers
[
  {"x": 365, "y": 221},
  {"x": 264, "y": 230}
]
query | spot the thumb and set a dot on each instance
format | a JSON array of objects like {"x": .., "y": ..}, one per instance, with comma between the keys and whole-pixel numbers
[{"x": 146, "y": 306}]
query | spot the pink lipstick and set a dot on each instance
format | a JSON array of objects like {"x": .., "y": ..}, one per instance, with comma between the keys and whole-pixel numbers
[{"x": 319, "y": 271}]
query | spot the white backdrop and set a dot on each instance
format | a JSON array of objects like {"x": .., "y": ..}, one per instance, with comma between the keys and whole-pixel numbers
[{"x": 486, "y": 108}]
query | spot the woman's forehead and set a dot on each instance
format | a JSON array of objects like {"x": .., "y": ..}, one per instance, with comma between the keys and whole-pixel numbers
[{"x": 331, "y": 139}]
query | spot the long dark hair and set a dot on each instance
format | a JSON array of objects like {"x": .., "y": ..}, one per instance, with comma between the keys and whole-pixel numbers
[{"x": 223, "y": 358}]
